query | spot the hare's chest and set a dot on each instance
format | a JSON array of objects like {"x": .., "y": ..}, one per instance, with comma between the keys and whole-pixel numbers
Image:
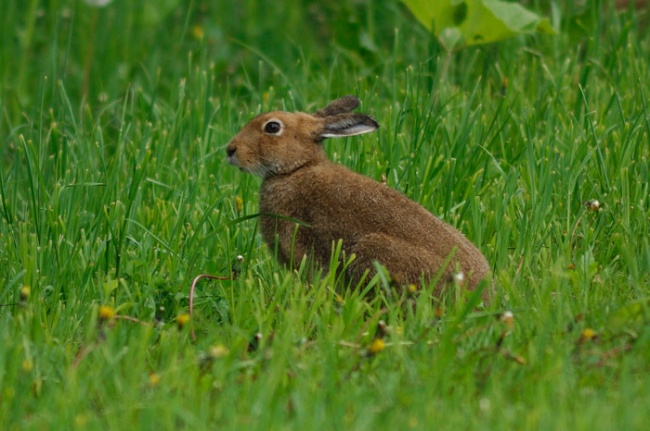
[{"x": 278, "y": 198}]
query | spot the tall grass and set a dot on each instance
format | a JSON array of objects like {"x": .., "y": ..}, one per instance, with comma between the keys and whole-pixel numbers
[{"x": 114, "y": 195}]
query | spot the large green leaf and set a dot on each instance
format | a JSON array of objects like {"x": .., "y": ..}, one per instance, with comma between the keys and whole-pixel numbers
[{"x": 458, "y": 23}]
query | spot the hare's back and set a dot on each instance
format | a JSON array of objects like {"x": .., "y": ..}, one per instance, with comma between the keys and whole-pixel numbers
[{"x": 350, "y": 205}]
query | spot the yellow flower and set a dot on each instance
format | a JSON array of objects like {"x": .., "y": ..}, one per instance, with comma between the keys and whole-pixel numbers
[
  {"x": 25, "y": 291},
  {"x": 197, "y": 32},
  {"x": 106, "y": 312},
  {"x": 219, "y": 351},
  {"x": 587, "y": 335},
  {"x": 376, "y": 346},
  {"x": 154, "y": 378},
  {"x": 181, "y": 320},
  {"x": 239, "y": 204}
]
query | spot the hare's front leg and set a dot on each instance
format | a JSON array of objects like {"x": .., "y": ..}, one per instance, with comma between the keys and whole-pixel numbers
[{"x": 287, "y": 240}]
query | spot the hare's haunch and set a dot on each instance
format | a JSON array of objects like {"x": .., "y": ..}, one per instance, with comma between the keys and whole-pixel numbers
[{"x": 332, "y": 203}]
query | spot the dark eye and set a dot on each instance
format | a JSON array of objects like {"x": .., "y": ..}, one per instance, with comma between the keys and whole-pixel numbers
[{"x": 272, "y": 127}]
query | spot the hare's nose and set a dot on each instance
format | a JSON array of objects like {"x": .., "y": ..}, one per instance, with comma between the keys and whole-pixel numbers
[{"x": 230, "y": 151}]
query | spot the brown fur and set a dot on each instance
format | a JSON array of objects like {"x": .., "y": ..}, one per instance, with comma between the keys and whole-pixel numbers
[{"x": 374, "y": 222}]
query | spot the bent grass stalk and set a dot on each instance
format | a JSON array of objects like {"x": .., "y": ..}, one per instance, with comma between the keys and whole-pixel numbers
[{"x": 193, "y": 287}]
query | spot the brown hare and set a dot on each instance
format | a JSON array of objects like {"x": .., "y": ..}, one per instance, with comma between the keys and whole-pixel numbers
[{"x": 307, "y": 203}]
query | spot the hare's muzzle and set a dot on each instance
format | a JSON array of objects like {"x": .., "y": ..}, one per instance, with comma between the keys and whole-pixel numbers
[{"x": 231, "y": 155}]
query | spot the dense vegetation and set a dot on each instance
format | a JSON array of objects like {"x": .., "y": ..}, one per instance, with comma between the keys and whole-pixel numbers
[{"x": 115, "y": 194}]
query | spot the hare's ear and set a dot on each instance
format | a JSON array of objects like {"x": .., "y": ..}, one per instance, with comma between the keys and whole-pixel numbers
[
  {"x": 348, "y": 125},
  {"x": 339, "y": 106}
]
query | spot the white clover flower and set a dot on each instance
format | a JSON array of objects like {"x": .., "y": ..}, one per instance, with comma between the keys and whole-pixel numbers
[
  {"x": 508, "y": 318},
  {"x": 98, "y": 3},
  {"x": 592, "y": 205}
]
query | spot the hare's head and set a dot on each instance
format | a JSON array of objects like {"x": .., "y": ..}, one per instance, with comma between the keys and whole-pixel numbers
[{"x": 277, "y": 143}]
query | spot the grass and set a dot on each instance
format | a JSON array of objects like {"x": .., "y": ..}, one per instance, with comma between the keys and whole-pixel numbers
[{"x": 114, "y": 195}]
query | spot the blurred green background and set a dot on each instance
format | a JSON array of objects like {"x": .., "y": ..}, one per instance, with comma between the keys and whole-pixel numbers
[{"x": 100, "y": 51}]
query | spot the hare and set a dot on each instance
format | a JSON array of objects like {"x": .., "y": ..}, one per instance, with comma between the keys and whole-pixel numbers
[{"x": 307, "y": 203}]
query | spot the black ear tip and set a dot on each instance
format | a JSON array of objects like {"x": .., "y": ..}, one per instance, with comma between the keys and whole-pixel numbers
[
  {"x": 350, "y": 100},
  {"x": 367, "y": 120},
  {"x": 339, "y": 106}
]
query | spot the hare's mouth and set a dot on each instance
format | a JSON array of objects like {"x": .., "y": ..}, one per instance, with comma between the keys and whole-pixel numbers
[
  {"x": 254, "y": 169},
  {"x": 233, "y": 160},
  {"x": 257, "y": 170}
]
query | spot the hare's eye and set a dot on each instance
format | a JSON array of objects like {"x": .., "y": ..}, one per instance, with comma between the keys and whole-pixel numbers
[{"x": 272, "y": 127}]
